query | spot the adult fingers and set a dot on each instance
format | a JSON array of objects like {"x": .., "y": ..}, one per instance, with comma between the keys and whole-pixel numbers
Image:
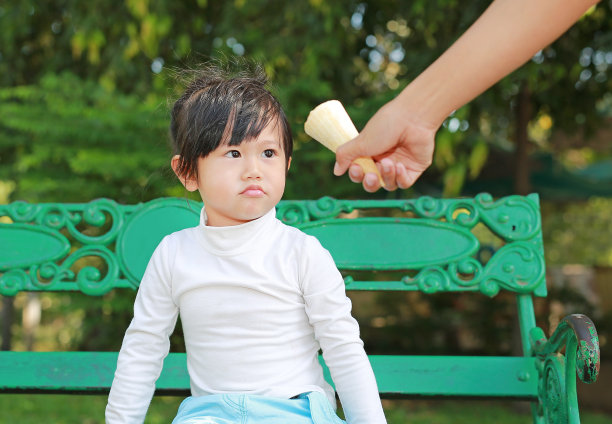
[
  {"x": 356, "y": 173},
  {"x": 388, "y": 173},
  {"x": 404, "y": 177},
  {"x": 371, "y": 183},
  {"x": 345, "y": 155}
]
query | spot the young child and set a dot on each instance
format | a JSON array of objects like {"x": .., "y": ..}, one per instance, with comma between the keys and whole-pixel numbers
[{"x": 257, "y": 298}]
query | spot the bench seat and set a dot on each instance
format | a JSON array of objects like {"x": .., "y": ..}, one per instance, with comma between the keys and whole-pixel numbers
[{"x": 397, "y": 376}]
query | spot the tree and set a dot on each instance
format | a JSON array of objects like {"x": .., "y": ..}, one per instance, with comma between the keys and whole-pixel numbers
[
  {"x": 69, "y": 140},
  {"x": 362, "y": 53}
]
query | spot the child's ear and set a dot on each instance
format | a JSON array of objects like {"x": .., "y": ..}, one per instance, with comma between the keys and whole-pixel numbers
[
  {"x": 190, "y": 183},
  {"x": 289, "y": 164}
]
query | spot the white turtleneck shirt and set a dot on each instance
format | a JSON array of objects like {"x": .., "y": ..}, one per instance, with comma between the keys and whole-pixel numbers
[{"x": 257, "y": 301}]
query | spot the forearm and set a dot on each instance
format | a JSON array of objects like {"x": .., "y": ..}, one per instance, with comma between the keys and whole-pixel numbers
[
  {"x": 145, "y": 345},
  {"x": 138, "y": 367},
  {"x": 502, "y": 39},
  {"x": 329, "y": 312},
  {"x": 356, "y": 384}
]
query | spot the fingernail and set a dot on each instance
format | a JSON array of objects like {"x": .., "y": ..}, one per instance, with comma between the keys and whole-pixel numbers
[
  {"x": 371, "y": 179},
  {"x": 336, "y": 168},
  {"x": 386, "y": 166}
]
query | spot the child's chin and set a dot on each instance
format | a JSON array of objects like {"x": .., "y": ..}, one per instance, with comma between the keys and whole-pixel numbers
[
  {"x": 256, "y": 210},
  {"x": 250, "y": 216}
]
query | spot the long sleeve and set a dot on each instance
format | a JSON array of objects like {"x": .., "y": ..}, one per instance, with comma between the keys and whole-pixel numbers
[
  {"x": 146, "y": 343},
  {"x": 329, "y": 312}
]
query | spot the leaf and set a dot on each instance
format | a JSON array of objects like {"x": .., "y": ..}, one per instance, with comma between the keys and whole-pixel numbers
[
  {"x": 478, "y": 158},
  {"x": 454, "y": 178}
]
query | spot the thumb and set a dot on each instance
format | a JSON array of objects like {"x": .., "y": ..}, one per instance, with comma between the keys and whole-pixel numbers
[{"x": 346, "y": 154}]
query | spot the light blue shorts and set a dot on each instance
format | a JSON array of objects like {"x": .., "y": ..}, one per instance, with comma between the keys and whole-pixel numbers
[{"x": 308, "y": 408}]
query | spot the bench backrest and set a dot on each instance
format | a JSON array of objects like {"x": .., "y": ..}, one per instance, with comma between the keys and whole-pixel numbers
[{"x": 98, "y": 246}]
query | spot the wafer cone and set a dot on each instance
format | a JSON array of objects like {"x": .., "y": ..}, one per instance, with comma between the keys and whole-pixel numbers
[{"x": 331, "y": 126}]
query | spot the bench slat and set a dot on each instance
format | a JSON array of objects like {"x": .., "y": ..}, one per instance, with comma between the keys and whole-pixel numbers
[{"x": 397, "y": 376}]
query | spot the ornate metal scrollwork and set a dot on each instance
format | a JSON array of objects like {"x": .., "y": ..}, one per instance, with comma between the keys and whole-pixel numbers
[
  {"x": 300, "y": 212},
  {"x": 430, "y": 280},
  {"x": 552, "y": 391},
  {"x": 13, "y": 281},
  {"x": 21, "y": 211},
  {"x": 95, "y": 228},
  {"x": 89, "y": 278},
  {"x": 83, "y": 240},
  {"x": 293, "y": 213},
  {"x": 58, "y": 216},
  {"x": 511, "y": 218},
  {"x": 75, "y": 221},
  {"x": 557, "y": 384},
  {"x": 428, "y": 207},
  {"x": 327, "y": 207},
  {"x": 517, "y": 267}
]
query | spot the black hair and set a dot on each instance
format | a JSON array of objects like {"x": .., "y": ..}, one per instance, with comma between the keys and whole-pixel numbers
[{"x": 217, "y": 101}]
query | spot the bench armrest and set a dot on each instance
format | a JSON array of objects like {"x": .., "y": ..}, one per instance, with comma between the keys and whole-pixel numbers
[
  {"x": 557, "y": 394},
  {"x": 574, "y": 331}
]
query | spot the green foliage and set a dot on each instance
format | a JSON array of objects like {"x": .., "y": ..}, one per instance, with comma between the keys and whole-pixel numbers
[
  {"x": 361, "y": 52},
  {"x": 578, "y": 232},
  {"x": 68, "y": 409},
  {"x": 72, "y": 140},
  {"x": 32, "y": 409}
]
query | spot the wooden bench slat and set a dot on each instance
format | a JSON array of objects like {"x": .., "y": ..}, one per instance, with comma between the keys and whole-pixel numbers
[{"x": 397, "y": 376}]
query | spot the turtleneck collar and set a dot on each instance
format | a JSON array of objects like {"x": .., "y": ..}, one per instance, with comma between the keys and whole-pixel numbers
[{"x": 234, "y": 239}]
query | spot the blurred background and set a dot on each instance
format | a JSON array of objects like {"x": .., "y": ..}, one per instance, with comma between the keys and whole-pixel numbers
[{"x": 85, "y": 92}]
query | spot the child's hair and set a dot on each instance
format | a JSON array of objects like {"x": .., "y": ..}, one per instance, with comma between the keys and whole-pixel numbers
[{"x": 216, "y": 101}]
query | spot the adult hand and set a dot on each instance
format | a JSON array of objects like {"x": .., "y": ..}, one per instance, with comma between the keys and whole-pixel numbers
[
  {"x": 400, "y": 136},
  {"x": 400, "y": 143}
]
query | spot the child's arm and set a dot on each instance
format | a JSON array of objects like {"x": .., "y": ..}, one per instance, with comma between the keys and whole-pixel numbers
[
  {"x": 507, "y": 34},
  {"x": 145, "y": 345},
  {"x": 329, "y": 312}
]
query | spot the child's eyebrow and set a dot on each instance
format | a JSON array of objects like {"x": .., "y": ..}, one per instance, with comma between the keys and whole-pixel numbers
[{"x": 269, "y": 142}]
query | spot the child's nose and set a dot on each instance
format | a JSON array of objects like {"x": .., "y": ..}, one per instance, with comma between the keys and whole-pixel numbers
[{"x": 252, "y": 168}]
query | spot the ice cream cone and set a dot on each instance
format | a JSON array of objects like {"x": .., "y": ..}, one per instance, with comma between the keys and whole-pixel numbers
[{"x": 331, "y": 126}]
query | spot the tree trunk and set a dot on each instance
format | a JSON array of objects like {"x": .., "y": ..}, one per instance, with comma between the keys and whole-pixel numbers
[
  {"x": 523, "y": 187},
  {"x": 521, "y": 157},
  {"x": 8, "y": 310},
  {"x": 31, "y": 319}
]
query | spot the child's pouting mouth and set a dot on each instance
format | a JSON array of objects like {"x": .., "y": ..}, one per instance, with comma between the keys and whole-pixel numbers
[{"x": 253, "y": 191}]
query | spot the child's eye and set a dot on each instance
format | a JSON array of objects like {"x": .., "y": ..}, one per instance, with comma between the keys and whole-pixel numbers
[
  {"x": 233, "y": 154},
  {"x": 269, "y": 153}
]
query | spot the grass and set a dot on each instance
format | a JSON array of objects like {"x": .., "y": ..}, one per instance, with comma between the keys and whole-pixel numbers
[
  {"x": 470, "y": 412},
  {"x": 66, "y": 409}
]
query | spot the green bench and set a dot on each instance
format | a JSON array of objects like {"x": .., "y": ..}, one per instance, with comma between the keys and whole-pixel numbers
[{"x": 424, "y": 244}]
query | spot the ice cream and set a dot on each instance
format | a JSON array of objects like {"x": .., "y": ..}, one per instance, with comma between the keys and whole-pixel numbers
[{"x": 331, "y": 126}]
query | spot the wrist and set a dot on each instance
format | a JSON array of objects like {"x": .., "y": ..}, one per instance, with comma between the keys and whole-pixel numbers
[{"x": 423, "y": 102}]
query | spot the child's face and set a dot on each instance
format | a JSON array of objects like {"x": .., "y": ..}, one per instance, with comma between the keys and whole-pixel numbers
[{"x": 241, "y": 183}]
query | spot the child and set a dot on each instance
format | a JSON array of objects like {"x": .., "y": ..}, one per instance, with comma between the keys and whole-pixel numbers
[{"x": 257, "y": 298}]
